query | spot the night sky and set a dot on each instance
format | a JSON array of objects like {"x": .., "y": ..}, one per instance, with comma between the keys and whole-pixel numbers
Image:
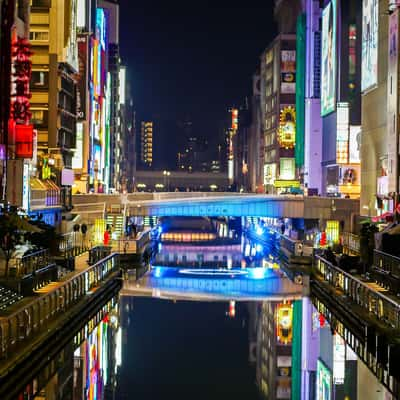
[{"x": 191, "y": 61}]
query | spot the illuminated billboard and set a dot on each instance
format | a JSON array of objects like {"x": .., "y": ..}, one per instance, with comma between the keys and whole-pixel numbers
[
  {"x": 284, "y": 323},
  {"x": 369, "y": 52},
  {"x": 287, "y": 128},
  {"x": 354, "y": 144},
  {"x": 287, "y": 168},
  {"x": 288, "y": 71},
  {"x": 339, "y": 358},
  {"x": 82, "y": 86},
  {"x": 342, "y": 133},
  {"x": 324, "y": 382},
  {"x": 328, "y": 64}
]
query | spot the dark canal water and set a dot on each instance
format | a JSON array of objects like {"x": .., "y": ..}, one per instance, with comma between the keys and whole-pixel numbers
[{"x": 218, "y": 347}]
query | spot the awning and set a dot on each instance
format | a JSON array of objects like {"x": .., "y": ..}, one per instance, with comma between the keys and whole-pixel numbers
[
  {"x": 37, "y": 184},
  {"x": 51, "y": 185}
]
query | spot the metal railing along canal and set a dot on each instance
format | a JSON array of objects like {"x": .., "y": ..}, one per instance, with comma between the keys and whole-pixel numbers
[
  {"x": 381, "y": 306},
  {"x": 41, "y": 311}
]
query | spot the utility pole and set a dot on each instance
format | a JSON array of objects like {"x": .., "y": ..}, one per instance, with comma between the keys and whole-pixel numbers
[{"x": 7, "y": 21}]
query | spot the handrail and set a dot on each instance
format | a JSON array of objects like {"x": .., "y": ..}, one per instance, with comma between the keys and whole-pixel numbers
[
  {"x": 382, "y": 306},
  {"x": 351, "y": 241},
  {"x": 387, "y": 262},
  {"x": 36, "y": 314},
  {"x": 33, "y": 261},
  {"x": 65, "y": 283}
]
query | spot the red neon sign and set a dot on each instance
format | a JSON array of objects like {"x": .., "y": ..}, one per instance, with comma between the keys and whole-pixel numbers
[{"x": 22, "y": 68}]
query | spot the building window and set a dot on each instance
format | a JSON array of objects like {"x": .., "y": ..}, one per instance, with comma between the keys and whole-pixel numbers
[
  {"x": 39, "y": 36},
  {"x": 40, "y": 79},
  {"x": 39, "y": 118}
]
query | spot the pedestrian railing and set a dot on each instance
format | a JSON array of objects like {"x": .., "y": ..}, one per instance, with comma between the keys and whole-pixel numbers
[
  {"x": 32, "y": 262},
  {"x": 381, "y": 306},
  {"x": 387, "y": 263},
  {"x": 351, "y": 243},
  {"x": 73, "y": 244},
  {"x": 129, "y": 245},
  {"x": 37, "y": 315}
]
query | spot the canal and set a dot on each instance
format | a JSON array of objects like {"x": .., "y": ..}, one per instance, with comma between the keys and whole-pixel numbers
[{"x": 213, "y": 318}]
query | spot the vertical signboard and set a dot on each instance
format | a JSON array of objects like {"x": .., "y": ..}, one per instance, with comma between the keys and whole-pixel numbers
[
  {"x": 342, "y": 133},
  {"x": 288, "y": 71},
  {"x": 369, "y": 52},
  {"x": 82, "y": 86},
  {"x": 392, "y": 101},
  {"x": 328, "y": 64},
  {"x": 354, "y": 144}
]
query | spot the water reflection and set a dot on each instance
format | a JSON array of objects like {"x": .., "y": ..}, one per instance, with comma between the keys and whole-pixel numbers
[{"x": 232, "y": 344}]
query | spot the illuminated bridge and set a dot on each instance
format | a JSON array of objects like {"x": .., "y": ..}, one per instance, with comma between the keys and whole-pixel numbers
[
  {"x": 255, "y": 284},
  {"x": 220, "y": 204}
]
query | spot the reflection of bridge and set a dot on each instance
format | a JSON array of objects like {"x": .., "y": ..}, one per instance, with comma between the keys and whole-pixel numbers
[
  {"x": 218, "y": 204},
  {"x": 252, "y": 284}
]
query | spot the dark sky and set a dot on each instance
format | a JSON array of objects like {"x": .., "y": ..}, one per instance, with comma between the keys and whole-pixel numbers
[{"x": 192, "y": 60}]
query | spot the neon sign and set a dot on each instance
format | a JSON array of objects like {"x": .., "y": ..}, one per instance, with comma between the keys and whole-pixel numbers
[
  {"x": 20, "y": 115},
  {"x": 287, "y": 128}
]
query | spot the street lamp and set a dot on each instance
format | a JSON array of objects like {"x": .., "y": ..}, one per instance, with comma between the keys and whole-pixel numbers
[{"x": 166, "y": 179}]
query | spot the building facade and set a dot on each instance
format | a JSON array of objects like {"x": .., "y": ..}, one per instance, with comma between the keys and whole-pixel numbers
[{"x": 146, "y": 144}]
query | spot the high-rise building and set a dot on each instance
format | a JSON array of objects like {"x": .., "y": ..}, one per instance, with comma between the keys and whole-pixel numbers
[
  {"x": 256, "y": 140},
  {"x": 278, "y": 67},
  {"x": 341, "y": 97},
  {"x": 17, "y": 144},
  {"x": 380, "y": 128},
  {"x": 53, "y": 34},
  {"x": 312, "y": 151},
  {"x": 146, "y": 146}
]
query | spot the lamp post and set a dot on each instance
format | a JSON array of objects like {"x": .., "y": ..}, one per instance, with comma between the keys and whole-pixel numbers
[{"x": 166, "y": 179}]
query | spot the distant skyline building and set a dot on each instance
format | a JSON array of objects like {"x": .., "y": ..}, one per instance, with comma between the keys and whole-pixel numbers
[{"x": 146, "y": 147}]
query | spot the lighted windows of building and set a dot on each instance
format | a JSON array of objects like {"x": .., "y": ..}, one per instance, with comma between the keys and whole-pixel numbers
[
  {"x": 39, "y": 36},
  {"x": 332, "y": 231},
  {"x": 39, "y": 79}
]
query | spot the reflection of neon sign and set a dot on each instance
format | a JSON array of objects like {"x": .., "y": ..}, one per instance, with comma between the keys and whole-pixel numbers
[
  {"x": 235, "y": 118},
  {"x": 324, "y": 384},
  {"x": 284, "y": 318},
  {"x": 287, "y": 127}
]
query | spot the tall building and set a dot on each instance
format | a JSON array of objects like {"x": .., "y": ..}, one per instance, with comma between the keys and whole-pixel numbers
[
  {"x": 312, "y": 151},
  {"x": 16, "y": 131},
  {"x": 112, "y": 173},
  {"x": 278, "y": 113},
  {"x": 146, "y": 144},
  {"x": 128, "y": 135},
  {"x": 256, "y": 140},
  {"x": 380, "y": 128},
  {"x": 53, "y": 103},
  {"x": 341, "y": 97}
]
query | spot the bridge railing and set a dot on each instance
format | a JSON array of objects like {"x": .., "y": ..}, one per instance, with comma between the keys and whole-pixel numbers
[
  {"x": 32, "y": 262},
  {"x": 74, "y": 244},
  {"x": 351, "y": 243},
  {"x": 382, "y": 307},
  {"x": 36, "y": 316},
  {"x": 387, "y": 262},
  {"x": 128, "y": 245}
]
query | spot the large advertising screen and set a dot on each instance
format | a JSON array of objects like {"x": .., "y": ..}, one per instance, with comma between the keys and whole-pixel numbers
[
  {"x": 328, "y": 67},
  {"x": 369, "y": 55},
  {"x": 324, "y": 382}
]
